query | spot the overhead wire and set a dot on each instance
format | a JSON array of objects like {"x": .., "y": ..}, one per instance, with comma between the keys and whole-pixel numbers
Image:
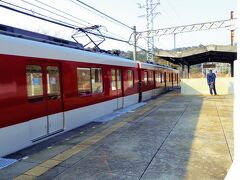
[
  {"x": 117, "y": 35},
  {"x": 61, "y": 23},
  {"x": 175, "y": 12},
  {"x": 92, "y": 11},
  {"x": 44, "y": 17},
  {"x": 167, "y": 15},
  {"x": 104, "y": 14},
  {"x": 68, "y": 15},
  {"x": 58, "y": 22},
  {"x": 108, "y": 37},
  {"x": 63, "y": 12},
  {"x": 53, "y": 13}
]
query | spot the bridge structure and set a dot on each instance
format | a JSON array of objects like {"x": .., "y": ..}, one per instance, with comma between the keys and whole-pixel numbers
[{"x": 198, "y": 55}]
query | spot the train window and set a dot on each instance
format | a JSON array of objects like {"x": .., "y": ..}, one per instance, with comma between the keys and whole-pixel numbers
[
  {"x": 145, "y": 77},
  {"x": 158, "y": 77},
  {"x": 96, "y": 79},
  {"x": 119, "y": 79},
  {"x": 113, "y": 84},
  {"x": 150, "y": 79},
  {"x": 130, "y": 79},
  {"x": 84, "y": 83},
  {"x": 164, "y": 77},
  {"x": 34, "y": 81},
  {"x": 53, "y": 82}
]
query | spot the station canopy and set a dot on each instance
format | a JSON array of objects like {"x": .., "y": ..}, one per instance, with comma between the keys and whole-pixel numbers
[{"x": 198, "y": 55}]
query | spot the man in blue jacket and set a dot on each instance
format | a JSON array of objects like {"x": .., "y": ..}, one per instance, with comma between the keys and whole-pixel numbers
[{"x": 211, "y": 77}]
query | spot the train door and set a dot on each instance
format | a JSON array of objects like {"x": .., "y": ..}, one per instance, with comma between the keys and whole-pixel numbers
[
  {"x": 165, "y": 79},
  {"x": 177, "y": 79},
  {"x": 154, "y": 84},
  {"x": 116, "y": 86},
  {"x": 119, "y": 89},
  {"x": 139, "y": 85},
  {"x": 44, "y": 93}
]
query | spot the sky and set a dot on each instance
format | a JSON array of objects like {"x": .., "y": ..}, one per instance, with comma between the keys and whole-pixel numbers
[{"x": 171, "y": 13}]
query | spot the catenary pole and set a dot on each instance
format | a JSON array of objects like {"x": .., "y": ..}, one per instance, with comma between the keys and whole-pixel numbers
[
  {"x": 134, "y": 44},
  {"x": 232, "y": 30}
]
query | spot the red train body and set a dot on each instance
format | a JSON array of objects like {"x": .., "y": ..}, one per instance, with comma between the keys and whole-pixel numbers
[{"x": 47, "y": 89}]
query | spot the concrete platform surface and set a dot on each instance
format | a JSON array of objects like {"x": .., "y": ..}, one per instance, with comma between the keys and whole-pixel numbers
[{"x": 172, "y": 137}]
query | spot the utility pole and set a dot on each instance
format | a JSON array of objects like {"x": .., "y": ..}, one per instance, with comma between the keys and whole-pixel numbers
[
  {"x": 174, "y": 40},
  {"x": 150, "y": 7},
  {"x": 134, "y": 43},
  {"x": 232, "y": 30}
]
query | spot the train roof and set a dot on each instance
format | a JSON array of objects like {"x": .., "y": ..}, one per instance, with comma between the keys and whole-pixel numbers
[
  {"x": 25, "y": 34},
  {"x": 152, "y": 65},
  {"x": 22, "y": 45},
  {"x": 26, "y": 43}
]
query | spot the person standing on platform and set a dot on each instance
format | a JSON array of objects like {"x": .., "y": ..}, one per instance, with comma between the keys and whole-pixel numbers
[{"x": 211, "y": 77}]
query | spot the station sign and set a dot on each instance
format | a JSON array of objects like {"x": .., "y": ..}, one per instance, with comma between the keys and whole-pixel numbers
[{"x": 209, "y": 65}]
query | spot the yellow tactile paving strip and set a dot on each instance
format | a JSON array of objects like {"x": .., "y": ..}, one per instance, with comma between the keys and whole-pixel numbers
[{"x": 56, "y": 160}]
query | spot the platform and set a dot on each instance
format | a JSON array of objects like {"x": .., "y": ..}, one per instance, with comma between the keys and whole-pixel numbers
[{"x": 171, "y": 137}]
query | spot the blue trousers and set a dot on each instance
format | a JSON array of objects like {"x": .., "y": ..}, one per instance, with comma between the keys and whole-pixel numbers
[{"x": 212, "y": 88}]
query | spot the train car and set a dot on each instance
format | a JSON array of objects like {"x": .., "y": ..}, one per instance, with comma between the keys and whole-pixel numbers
[{"x": 48, "y": 87}]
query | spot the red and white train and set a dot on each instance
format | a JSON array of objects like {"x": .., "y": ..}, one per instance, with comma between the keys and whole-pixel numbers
[{"x": 47, "y": 89}]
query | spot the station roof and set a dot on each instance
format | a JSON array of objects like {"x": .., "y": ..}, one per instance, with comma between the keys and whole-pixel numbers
[{"x": 197, "y": 55}]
